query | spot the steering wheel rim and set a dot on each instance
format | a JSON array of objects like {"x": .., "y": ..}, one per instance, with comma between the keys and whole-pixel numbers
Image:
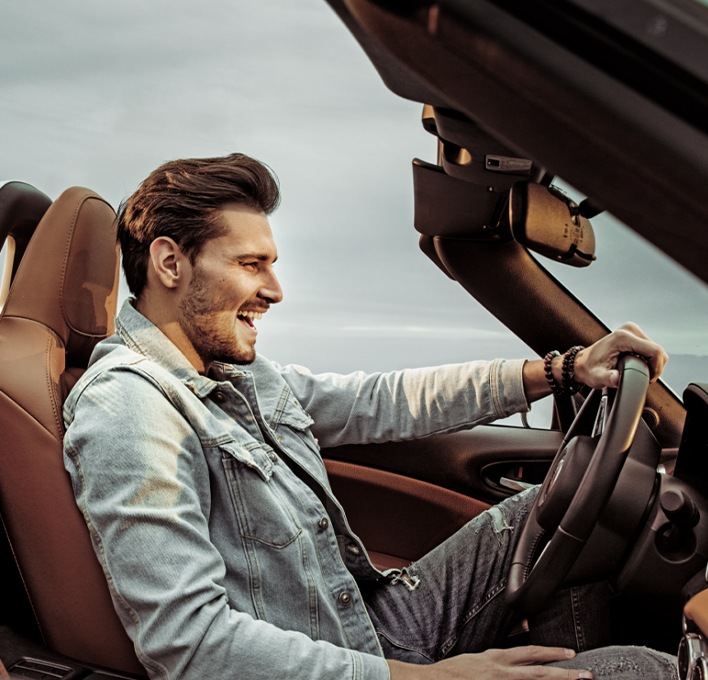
[{"x": 548, "y": 546}]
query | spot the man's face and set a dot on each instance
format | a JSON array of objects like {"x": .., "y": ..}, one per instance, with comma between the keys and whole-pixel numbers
[{"x": 232, "y": 285}]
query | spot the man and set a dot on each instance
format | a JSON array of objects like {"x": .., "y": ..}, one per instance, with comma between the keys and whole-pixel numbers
[{"x": 195, "y": 463}]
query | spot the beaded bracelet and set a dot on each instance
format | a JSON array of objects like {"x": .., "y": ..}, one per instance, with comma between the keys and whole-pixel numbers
[
  {"x": 555, "y": 387},
  {"x": 570, "y": 385}
]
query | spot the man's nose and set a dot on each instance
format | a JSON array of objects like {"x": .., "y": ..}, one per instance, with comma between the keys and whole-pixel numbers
[{"x": 271, "y": 289}]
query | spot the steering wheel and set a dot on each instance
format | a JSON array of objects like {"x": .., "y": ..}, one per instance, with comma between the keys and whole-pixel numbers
[{"x": 577, "y": 487}]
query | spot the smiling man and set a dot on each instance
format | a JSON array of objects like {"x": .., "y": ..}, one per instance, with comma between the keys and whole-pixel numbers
[
  {"x": 219, "y": 297},
  {"x": 196, "y": 465}
]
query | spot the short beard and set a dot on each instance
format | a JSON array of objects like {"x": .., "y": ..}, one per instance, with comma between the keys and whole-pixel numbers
[{"x": 198, "y": 320}]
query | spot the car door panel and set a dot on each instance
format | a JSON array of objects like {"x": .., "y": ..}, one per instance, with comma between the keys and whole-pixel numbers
[
  {"x": 404, "y": 498},
  {"x": 399, "y": 519}
]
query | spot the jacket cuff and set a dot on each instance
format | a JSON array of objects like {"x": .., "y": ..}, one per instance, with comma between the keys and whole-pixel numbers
[
  {"x": 507, "y": 385},
  {"x": 369, "y": 667}
]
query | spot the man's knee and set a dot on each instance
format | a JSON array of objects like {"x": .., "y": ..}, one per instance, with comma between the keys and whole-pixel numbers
[{"x": 624, "y": 663}]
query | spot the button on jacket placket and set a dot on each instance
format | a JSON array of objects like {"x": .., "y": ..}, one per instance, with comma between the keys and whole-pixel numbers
[{"x": 237, "y": 407}]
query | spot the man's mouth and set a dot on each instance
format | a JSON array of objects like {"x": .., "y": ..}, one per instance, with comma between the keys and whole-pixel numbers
[{"x": 249, "y": 316}]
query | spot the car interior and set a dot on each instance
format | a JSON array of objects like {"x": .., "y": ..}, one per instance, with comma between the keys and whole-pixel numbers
[{"x": 516, "y": 92}]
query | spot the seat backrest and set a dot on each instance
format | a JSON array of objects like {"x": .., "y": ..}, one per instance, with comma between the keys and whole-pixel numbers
[{"x": 61, "y": 303}]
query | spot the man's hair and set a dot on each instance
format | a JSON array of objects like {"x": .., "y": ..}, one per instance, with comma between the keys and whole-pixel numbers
[{"x": 182, "y": 200}]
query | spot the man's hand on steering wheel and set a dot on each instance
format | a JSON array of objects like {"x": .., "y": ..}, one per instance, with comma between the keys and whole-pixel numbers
[{"x": 596, "y": 366}]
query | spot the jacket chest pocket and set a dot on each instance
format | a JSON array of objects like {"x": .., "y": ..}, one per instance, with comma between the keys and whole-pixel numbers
[
  {"x": 261, "y": 506},
  {"x": 291, "y": 425}
]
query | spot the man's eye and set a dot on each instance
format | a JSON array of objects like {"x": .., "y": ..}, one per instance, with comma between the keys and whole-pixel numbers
[{"x": 249, "y": 264}]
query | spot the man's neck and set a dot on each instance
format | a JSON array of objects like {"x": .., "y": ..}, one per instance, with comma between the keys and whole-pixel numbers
[{"x": 162, "y": 311}]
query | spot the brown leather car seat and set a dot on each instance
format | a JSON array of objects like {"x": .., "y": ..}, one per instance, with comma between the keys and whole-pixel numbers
[{"x": 61, "y": 303}]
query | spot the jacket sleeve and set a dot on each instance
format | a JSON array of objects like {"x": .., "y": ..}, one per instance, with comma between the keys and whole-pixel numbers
[
  {"x": 360, "y": 408},
  {"x": 140, "y": 488}
]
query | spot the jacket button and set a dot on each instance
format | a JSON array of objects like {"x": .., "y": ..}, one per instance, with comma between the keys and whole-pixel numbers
[
  {"x": 273, "y": 457},
  {"x": 345, "y": 599},
  {"x": 324, "y": 523},
  {"x": 218, "y": 396}
]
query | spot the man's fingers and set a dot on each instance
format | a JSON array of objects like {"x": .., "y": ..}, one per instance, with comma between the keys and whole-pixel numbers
[
  {"x": 524, "y": 663},
  {"x": 633, "y": 329},
  {"x": 613, "y": 378},
  {"x": 637, "y": 341},
  {"x": 541, "y": 673},
  {"x": 654, "y": 354},
  {"x": 657, "y": 365},
  {"x": 530, "y": 654},
  {"x": 519, "y": 663},
  {"x": 597, "y": 363},
  {"x": 571, "y": 674}
]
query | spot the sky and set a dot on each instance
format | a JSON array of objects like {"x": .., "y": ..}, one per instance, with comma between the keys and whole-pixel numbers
[{"x": 98, "y": 94}]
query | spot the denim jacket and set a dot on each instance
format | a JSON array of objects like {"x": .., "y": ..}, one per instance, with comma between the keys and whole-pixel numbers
[{"x": 221, "y": 561}]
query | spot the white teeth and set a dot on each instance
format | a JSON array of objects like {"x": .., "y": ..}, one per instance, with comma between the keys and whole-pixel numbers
[{"x": 252, "y": 315}]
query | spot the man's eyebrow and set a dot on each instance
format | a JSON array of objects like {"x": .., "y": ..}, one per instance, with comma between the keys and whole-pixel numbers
[{"x": 261, "y": 257}]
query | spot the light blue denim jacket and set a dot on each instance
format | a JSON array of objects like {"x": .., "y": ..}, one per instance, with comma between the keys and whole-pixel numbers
[{"x": 222, "y": 562}]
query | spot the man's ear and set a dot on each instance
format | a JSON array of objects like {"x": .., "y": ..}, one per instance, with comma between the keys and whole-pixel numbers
[{"x": 169, "y": 263}]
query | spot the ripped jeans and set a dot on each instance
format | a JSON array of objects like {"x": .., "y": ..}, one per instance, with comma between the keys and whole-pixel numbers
[{"x": 452, "y": 601}]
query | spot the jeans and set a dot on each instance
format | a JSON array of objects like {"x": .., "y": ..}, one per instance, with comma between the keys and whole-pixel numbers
[{"x": 452, "y": 601}]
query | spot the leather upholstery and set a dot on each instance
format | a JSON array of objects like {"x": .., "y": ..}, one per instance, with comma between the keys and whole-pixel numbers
[
  {"x": 62, "y": 302},
  {"x": 399, "y": 519}
]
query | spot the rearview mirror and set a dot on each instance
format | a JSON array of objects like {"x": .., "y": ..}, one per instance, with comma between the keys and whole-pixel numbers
[{"x": 549, "y": 223}]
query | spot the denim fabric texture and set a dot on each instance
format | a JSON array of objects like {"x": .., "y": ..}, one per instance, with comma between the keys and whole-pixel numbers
[
  {"x": 625, "y": 663},
  {"x": 221, "y": 561},
  {"x": 451, "y": 601}
]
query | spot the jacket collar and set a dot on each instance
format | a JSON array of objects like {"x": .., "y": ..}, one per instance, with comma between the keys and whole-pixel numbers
[{"x": 142, "y": 336}]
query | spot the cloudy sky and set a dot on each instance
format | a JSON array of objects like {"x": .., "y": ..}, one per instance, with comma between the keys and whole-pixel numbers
[{"x": 100, "y": 93}]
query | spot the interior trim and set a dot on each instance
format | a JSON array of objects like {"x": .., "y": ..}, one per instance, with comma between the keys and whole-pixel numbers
[{"x": 397, "y": 516}]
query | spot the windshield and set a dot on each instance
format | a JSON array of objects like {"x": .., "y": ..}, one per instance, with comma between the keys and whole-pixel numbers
[{"x": 631, "y": 280}]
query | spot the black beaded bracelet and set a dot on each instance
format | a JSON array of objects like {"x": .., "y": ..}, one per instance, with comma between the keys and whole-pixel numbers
[
  {"x": 555, "y": 387},
  {"x": 570, "y": 384}
]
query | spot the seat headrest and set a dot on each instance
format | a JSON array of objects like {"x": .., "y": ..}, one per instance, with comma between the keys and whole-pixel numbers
[
  {"x": 68, "y": 277},
  {"x": 21, "y": 208}
]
